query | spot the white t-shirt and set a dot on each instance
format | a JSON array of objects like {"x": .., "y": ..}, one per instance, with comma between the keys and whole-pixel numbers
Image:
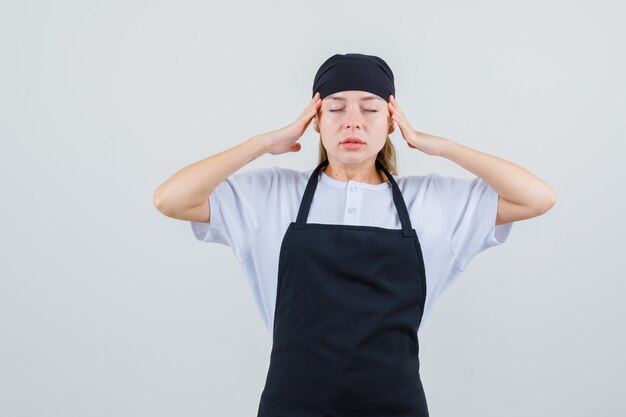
[{"x": 250, "y": 211}]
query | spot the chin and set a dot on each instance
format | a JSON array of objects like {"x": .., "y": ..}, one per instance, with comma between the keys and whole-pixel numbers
[{"x": 351, "y": 159}]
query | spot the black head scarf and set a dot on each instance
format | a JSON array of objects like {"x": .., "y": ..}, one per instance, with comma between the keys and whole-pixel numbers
[{"x": 352, "y": 71}]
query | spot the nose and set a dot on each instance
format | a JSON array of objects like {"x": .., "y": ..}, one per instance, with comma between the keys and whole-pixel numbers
[
  {"x": 353, "y": 125},
  {"x": 353, "y": 118}
]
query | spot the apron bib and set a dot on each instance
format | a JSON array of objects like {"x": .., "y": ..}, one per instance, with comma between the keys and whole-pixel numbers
[{"x": 349, "y": 302}]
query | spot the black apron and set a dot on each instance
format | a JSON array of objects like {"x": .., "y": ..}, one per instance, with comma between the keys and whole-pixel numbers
[{"x": 349, "y": 302}]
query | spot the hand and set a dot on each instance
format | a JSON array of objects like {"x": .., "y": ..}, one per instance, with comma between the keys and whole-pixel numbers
[
  {"x": 283, "y": 140},
  {"x": 431, "y": 145}
]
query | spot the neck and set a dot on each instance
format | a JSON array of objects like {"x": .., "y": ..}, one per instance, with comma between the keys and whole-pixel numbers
[{"x": 365, "y": 173}]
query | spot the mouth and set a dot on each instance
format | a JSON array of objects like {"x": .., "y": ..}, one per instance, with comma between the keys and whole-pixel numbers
[
  {"x": 352, "y": 140},
  {"x": 352, "y": 143}
]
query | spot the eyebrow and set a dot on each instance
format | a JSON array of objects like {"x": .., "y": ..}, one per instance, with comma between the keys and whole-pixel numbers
[{"x": 362, "y": 99}]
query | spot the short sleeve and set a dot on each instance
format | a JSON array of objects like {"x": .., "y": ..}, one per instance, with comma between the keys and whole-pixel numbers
[
  {"x": 469, "y": 208},
  {"x": 237, "y": 207}
]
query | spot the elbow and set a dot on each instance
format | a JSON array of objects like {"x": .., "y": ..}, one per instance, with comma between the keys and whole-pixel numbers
[
  {"x": 158, "y": 200},
  {"x": 547, "y": 204},
  {"x": 551, "y": 200},
  {"x": 166, "y": 205}
]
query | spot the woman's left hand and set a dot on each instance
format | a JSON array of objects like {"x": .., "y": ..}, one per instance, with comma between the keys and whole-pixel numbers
[{"x": 431, "y": 145}]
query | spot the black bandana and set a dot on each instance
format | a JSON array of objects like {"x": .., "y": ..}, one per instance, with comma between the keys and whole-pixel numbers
[{"x": 354, "y": 71}]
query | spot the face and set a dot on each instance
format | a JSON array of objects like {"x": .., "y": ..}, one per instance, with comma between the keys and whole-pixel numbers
[{"x": 357, "y": 114}]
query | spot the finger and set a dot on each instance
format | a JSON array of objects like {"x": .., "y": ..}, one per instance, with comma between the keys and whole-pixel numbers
[
  {"x": 316, "y": 102},
  {"x": 395, "y": 103},
  {"x": 313, "y": 101},
  {"x": 316, "y": 107},
  {"x": 312, "y": 107},
  {"x": 398, "y": 110},
  {"x": 401, "y": 121}
]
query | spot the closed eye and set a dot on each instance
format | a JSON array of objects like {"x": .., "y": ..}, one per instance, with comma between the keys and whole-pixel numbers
[{"x": 373, "y": 111}]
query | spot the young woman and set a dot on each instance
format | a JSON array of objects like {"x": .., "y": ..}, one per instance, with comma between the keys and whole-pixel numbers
[{"x": 346, "y": 260}]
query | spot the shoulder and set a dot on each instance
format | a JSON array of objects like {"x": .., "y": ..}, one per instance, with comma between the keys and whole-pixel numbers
[
  {"x": 291, "y": 173},
  {"x": 449, "y": 188},
  {"x": 415, "y": 183},
  {"x": 291, "y": 177},
  {"x": 251, "y": 176},
  {"x": 262, "y": 171}
]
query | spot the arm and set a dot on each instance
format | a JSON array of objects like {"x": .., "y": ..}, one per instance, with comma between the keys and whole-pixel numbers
[
  {"x": 522, "y": 195},
  {"x": 185, "y": 195}
]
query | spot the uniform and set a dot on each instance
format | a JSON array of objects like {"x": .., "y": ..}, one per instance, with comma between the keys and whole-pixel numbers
[{"x": 251, "y": 211}]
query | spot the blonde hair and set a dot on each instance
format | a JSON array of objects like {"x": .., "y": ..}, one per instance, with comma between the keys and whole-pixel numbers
[{"x": 387, "y": 156}]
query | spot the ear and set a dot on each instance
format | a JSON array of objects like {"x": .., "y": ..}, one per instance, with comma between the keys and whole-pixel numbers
[
  {"x": 392, "y": 126},
  {"x": 316, "y": 125}
]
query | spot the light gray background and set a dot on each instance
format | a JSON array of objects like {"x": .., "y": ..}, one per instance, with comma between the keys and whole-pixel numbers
[{"x": 109, "y": 308}]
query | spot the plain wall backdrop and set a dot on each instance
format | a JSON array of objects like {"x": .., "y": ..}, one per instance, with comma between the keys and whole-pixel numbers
[{"x": 109, "y": 308}]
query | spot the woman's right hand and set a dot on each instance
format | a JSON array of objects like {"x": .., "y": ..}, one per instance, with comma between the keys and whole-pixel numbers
[{"x": 284, "y": 140}]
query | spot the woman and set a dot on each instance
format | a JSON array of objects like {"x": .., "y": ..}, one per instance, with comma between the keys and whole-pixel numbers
[{"x": 346, "y": 260}]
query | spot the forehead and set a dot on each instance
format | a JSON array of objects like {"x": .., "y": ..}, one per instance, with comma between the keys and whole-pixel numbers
[{"x": 344, "y": 96}]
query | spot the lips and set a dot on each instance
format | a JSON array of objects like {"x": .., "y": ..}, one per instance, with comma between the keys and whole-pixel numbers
[{"x": 352, "y": 140}]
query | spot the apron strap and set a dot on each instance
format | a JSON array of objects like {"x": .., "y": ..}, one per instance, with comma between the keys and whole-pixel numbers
[{"x": 398, "y": 200}]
